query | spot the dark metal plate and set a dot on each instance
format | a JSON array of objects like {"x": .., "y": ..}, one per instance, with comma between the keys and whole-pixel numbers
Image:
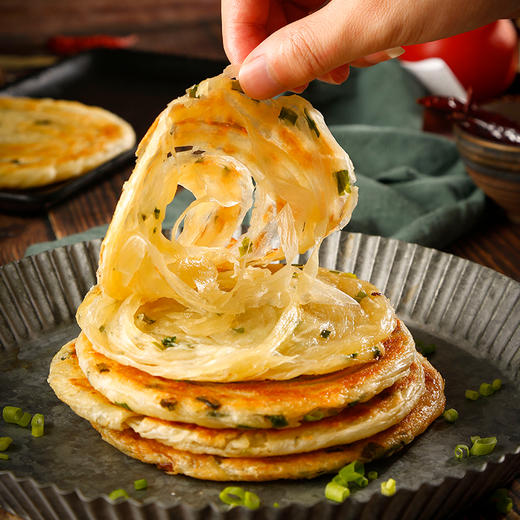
[{"x": 470, "y": 312}]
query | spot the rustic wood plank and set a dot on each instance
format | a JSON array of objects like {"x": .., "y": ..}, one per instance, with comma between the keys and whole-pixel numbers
[
  {"x": 494, "y": 243},
  {"x": 17, "y": 233}
]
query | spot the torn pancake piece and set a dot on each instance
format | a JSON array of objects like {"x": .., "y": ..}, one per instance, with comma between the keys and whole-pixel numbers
[{"x": 182, "y": 308}]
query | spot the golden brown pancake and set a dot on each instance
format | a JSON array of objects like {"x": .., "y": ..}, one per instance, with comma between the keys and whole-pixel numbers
[
  {"x": 249, "y": 404},
  {"x": 352, "y": 424},
  {"x": 45, "y": 140},
  {"x": 306, "y": 465}
]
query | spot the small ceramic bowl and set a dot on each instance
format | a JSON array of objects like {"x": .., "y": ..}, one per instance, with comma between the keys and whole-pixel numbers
[{"x": 494, "y": 167}]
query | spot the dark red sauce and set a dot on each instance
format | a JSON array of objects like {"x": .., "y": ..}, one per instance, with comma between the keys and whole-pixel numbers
[{"x": 475, "y": 120}]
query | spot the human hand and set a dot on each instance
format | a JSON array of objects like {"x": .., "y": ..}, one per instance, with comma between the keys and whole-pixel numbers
[{"x": 283, "y": 44}]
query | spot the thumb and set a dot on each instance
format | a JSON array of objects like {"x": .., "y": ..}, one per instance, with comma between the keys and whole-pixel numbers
[{"x": 313, "y": 46}]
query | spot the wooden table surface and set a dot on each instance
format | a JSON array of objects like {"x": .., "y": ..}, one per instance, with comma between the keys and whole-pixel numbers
[{"x": 191, "y": 28}]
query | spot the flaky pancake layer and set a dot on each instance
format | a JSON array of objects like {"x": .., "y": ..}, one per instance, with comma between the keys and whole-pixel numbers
[
  {"x": 249, "y": 404},
  {"x": 352, "y": 424},
  {"x": 306, "y": 465}
]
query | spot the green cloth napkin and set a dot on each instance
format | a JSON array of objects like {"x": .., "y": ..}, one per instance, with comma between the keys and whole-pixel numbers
[{"x": 412, "y": 185}]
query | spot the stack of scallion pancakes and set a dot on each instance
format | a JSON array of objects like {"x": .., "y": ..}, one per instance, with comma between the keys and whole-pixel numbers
[{"x": 209, "y": 353}]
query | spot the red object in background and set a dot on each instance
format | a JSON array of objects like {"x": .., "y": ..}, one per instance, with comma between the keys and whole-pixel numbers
[
  {"x": 68, "y": 45},
  {"x": 485, "y": 59}
]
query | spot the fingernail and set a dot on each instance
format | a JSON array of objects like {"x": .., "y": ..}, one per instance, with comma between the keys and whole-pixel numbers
[
  {"x": 340, "y": 74},
  {"x": 256, "y": 79},
  {"x": 395, "y": 52}
]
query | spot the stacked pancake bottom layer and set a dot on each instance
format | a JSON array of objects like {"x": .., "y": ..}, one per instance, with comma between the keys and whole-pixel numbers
[{"x": 254, "y": 431}]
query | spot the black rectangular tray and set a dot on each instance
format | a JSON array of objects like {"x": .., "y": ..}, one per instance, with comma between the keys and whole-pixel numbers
[{"x": 135, "y": 85}]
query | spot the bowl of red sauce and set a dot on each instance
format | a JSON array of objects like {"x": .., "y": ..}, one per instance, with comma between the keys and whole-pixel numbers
[{"x": 489, "y": 144}]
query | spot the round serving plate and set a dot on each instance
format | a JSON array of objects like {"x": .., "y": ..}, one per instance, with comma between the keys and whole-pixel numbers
[{"x": 470, "y": 312}]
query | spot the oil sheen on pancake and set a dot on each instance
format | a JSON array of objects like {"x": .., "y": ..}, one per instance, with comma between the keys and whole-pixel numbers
[
  {"x": 299, "y": 466},
  {"x": 247, "y": 404}
]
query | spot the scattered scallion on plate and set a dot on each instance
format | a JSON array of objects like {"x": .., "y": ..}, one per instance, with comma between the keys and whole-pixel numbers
[
  {"x": 12, "y": 414},
  {"x": 237, "y": 496},
  {"x": 117, "y": 493},
  {"x": 37, "y": 425},
  {"x": 451, "y": 415},
  {"x": 336, "y": 492},
  {"x": 140, "y": 484},
  {"x": 485, "y": 389},
  {"x": 496, "y": 384},
  {"x": 388, "y": 488},
  {"x": 472, "y": 395},
  {"x": 5, "y": 442},
  {"x": 483, "y": 446},
  {"x": 4, "y": 456},
  {"x": 461, "y": 451},
  {"x": 25, "y": 420}
]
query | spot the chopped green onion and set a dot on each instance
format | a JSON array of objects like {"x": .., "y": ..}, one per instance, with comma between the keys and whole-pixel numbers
[
  {"x": 343, "y": 181},
  {"x": 25, "y": 420},
  {"x": 276, "y": 504},
  {"x": 336, "y": 492},
  {"x": 288, "y": 115},
  {"x": 311, "y": 123},
  {"x": 5, "y": 442},
  {"x": 101, "y": 328},
  {"x": 388, "y": 488},
  {"x": 192, "y": 92},
  {"x": 245, "y": 247},
  {"x": 472, "y": 395},
  {"x": 360, "y": 295},
  {"x": 4, "y": 456},
  {"x": 140, "y": 484},
  {"x": 496, "y": 384},
  {"x": 483, "y": 446},
  {"x": 251, "y": 500},
  {"x": 474, "y": 438},
  {"x": 351, "y": 275},
  {"x": 240, "y": 330},
  {"x": 169, "y": 341},
  {"x": 486, "y": 389},
  {"x": 461, "y": 451},
  {"x": 353, "y": 467},
  {"x": 117, "y": 493},
  {"x": 451, "y": 415},
  {"x": 372, "y": 475},
  {"x": 232, "y": 496},
  {"x": 315, "y": 415},
  {"x": 361, "y": 481},
  {"x": 325, "y": 333},
  {"x": 502, "y": 500},
  {"x": 12, "y": 414},
  {"x": 338, "y": 480},
  {"x": 37, "y": 425},
  {"x": 278, "y": 421},
  {"x": 123, "y": 405}
]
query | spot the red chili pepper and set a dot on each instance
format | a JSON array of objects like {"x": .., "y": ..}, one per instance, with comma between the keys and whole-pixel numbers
[
  {"x": 67, "y": 45},
  {"x": 474, "y": 119}
]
